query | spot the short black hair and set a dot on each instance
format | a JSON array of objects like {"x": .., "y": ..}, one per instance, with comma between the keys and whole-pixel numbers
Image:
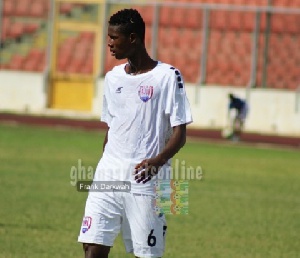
[{"x": 130, "y": 21}]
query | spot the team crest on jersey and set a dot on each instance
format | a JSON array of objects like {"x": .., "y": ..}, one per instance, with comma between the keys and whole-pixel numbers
[
  {"x": 86, "y": 224},
  {"x": 145, "y": 93}
]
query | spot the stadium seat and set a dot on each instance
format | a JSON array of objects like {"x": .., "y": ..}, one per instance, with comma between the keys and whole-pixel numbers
[
  {"x": 168, "y": 37},
  {"x": 286, "y": 3},
  {"x": 6, "y": 25},
  {"x": 281, "y": 23},
  {"x": 245, "y": 39},
  {"x": 191, "y": 41},
  {"x": 179, "y": 15},
  {"x": 8, "y": 7},
  {"x": 87, "y": 67},
  {"x": 30, "y": 64},
  {"x": 38, "y": 9},
  {"x": 248, "y": 21},
  {"x": 147, "y": 13},
  {"x": 191, "y": 71},
  {"x": 292, "y": 22},
  {"x": 277, "y": 23},
  {"x": 86, "y": 35},
  {"x": 21, "y": 9},
  {"x": 219, "y": 20},
  {"x": 235, "y": 21},
  {"x": 65, "y": 8},
  {"x": 17, "y": 62},
  {"x": 64, "y": 55},
  {"x": 179, "y": 59},
  {"x": 165, "y": 16},
  {"x": 166, "y": 55},
  {"x": 193, "y": 18},
  {"x": 30, "y": 28},
  {"x": 148, "y": 36},
  {"x": 16, "y": 31},
  {"x": 75, "y": 65}
]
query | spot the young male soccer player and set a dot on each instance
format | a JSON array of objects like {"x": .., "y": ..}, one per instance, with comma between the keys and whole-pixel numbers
[{"x": 143, "y": 101}]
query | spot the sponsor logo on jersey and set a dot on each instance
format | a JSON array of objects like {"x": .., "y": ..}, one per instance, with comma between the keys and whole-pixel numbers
[
  {"x": 86, "y": 224},
  {"x": 145, "y": 93},
  {"x": 118, "y": 90}
]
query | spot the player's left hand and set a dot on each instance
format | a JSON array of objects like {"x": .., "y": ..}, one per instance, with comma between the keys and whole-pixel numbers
[{"x": 148, "y": 168}]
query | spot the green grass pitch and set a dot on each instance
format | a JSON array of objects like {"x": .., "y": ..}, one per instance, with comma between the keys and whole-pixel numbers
[{"x": 246, "y": 205}]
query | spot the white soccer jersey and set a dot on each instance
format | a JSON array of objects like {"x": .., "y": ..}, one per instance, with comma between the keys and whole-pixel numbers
[{"x": 140, "y": 110}]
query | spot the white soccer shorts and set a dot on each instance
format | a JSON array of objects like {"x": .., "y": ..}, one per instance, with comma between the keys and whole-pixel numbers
[{"x": 108, "y": 213}]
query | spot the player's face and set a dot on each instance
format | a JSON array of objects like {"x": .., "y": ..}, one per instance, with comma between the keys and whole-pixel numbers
[{"x": 119, "y": 44}]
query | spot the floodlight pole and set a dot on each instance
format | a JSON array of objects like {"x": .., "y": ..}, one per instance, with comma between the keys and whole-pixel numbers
[
  {"x": 103, "y": 46},
  {"x": 154, "y": 32},
  {"x": 266, "y": 47},
  {"x": 50, "y": 28},
  {"x": 203, "y": 58},
  {"x": 1, "y": 15},
  {"x": 297, "y": 102}
]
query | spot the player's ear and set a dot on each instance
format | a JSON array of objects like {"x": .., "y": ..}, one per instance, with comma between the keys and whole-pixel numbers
[{"x": 133, "y": 38}]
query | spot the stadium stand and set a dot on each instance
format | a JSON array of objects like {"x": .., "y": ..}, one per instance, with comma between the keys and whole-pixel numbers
[
  {"x": 75, "y": 53},
  {"x": 179, "y": 41},
  {"x": 24, "y": 34}
]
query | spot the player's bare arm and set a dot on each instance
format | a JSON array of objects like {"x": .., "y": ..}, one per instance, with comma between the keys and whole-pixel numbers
[
  {"x": 105, "y": 139},
  {"x": 145, "y": 170}
]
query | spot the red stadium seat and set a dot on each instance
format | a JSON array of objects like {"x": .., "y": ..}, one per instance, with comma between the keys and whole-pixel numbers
[
  {"x": 148, "y": 36},
  {"x": 36, "y": 54},
  {"x": 191, "y": 41},
  {"x": 193, "y": 18},
  {"x": 248, "y": 21},
  {"x": 30, "y": 28},
  {"x": 166, "y": 55},
  {"x": 168, "y": 37},
  {"x": 30, "y": 64},
  {"x": 8, "y": 7},
  {"x": 63, "y": 62},
  {"x": 147, "y": 13},
  {"x": 86, "y": 70},
  {"x": 16, "y": 31},
  {"x": 277, "y": 23},
  {"x": 191, "y": 71},
  {"x": 36, "y": 59},
  {"x": 6, "y": 25},
  {"x": 38, "y": 9},
  {"x": 235, "y": 21},
  {"x": 16, "y": 62},
  {"x": 179, "y": 15},
  {"x": 65, "y": 8},
  {"x": 219, "y": 20},
  {"x": 21, "y": 9},
  {"x": 86, "y": 35},
  {"x": 286, "y": 3},
  {"x": 179, "y": 59},
  {"x": 165, "y": 16}
]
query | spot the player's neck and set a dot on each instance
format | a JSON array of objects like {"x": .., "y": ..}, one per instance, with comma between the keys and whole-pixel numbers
[{"x": 139, "y": 64}]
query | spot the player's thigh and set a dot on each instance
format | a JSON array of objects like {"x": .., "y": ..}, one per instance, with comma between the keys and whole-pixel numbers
[
  {"x": 146, "y": 229},
  {"x": 101, "y": 221},
  {"x": 95, "y": 251}
]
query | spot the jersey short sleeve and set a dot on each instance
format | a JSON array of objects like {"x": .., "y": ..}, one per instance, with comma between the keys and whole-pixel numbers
[
  {"x": 106, "y": 115},
  {"x": 177, "y": 104}
]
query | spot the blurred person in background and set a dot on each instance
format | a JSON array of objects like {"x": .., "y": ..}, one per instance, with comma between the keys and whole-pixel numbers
[{"x": 237, "y": 113}]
